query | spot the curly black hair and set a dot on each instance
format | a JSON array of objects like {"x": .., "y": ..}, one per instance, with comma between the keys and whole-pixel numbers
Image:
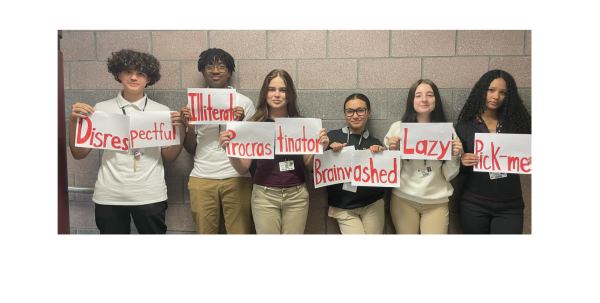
[
  {"x": 215, "y": 55},
  {"x": 512, "y": 114},
  {"x": 127, "y": 59},
  {"x": 437, "y": 115}
]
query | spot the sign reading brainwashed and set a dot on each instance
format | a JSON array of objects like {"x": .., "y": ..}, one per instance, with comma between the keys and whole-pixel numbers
[
  {"x": 503, "y": 153},
  {"x": 375, "y": 169},
  {"x": 103, "y": 130},
  {"x": 252, "y": 140},
  {"x": 333, "y": 168},
  {"x": 429, "y": 141},
  {"x": 297, "y": 136},
  {"x": 149, "y": 129},
  {"x": 211, "y": 105}
]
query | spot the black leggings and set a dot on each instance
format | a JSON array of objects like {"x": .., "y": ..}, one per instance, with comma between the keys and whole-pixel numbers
[
  {"x": 481, "y": 216},
  {"x": 116, "y": 219}
]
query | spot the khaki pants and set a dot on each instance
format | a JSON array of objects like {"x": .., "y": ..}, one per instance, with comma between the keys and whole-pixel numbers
[
  {"x": 363, "y": 220},
  {"x": 279, "y": 210},
  {"x": 408, "y": 216},
  {"x": 208, "y": 195}
]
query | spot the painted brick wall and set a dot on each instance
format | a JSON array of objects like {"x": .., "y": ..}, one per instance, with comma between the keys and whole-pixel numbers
[{"x": 326, "y": 66}]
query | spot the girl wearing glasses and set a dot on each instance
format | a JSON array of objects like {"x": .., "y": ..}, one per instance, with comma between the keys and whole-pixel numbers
[
  {"x": 358, "y": 210},
  {"x": 491, "y": 203},
  {"x": 279, "y": 198},
  {"x": 421, "y": 201}
]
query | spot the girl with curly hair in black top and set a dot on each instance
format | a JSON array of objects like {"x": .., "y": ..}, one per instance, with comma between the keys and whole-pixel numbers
[{"x": 491, "y": 204}]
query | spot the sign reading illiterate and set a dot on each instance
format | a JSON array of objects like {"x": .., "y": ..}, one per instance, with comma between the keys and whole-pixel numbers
[
  {"x": 503, "y": 153},
  {"x": 251, "y": 140},
  {"x": 211, "y": 105},
  {"x": 297, "y": 136},
  {"x": 429, "y": 141}
]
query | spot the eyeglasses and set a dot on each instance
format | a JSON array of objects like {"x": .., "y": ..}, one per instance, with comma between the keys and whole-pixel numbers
[
  {"x": 220, "y": 67},
  {"x": 361, "y": 111}
]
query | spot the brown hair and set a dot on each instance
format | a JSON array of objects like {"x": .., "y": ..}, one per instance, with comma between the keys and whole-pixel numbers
[{"x": 262, "y": 109}]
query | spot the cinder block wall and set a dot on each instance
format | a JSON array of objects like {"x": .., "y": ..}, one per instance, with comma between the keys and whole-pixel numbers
[{"x": 326, "y": 66}]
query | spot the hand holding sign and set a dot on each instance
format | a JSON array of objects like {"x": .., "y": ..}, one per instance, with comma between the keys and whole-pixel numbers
[
  {"x": 323, "y": 138},
  {"x": 80, "y": 110},
  {"x": 186, "y": 115},
  {"x": 239, "y": 113},
  {"x": 457, "y": 147},
  {"x": 469, "y": 159},
  {"x": 376, "y": 148},
  {"x": 337, "y": 147},
  {"x": 395, "y": 143}
]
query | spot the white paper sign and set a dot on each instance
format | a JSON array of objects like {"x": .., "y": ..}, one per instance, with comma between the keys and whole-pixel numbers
[
  {"x": 333, "y": 168},
  {"x": 150, "y": 129},
  {"x": 380, "y": 169},
  {"x": 503, "y": 153},
  {"x": 103, "y": 130},
  {"x": 429, "y": 141},
  {"x": 251, "y": 140},
  {"x": 295, "y": 136},
  {"x": 211, "y": 105}
]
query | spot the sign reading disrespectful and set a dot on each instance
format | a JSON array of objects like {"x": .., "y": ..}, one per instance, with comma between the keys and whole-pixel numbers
[
  {"x": 381, "y": 169},
  {"x": 333, "y": 168},
  {"x": 429, "y": 141},
  {"x": 251, "y": 140},
  {"x": 104, "y": 131},
  {"x": 297, "y": 136},
  {"x": 503, "y": 153},
  {"x": 211, "y": 105},
  {"x": 150, "y": 129}
]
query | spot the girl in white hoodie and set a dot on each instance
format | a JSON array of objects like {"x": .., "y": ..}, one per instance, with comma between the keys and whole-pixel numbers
[{"x": 421, "y": 201}]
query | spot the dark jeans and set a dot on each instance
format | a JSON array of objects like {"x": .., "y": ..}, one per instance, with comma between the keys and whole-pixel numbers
[
  {"x": 481, "y": 216},
  {"x": 116, "y": 219}
]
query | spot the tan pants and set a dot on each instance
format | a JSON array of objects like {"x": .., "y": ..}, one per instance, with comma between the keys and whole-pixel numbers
[
  {"x": 280, "y": 211},
  {"x": 208, "y": 195},
  {"x": 408, "y": 216},
  {"x": 363, "y": 220}
]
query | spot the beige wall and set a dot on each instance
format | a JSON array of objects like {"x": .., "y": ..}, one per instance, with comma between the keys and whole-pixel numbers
[{"x": 326, "y": 66}]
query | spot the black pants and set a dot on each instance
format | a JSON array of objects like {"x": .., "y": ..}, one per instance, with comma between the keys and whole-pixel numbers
[
  {"x": 116, "y": 219},
  {"x": 481, "y": 216}
]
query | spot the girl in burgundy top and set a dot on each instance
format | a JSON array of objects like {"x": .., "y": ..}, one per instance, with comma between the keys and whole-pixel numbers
[
  {"x": 491, "y": 203},
  {"x": 279, "y": 197}
]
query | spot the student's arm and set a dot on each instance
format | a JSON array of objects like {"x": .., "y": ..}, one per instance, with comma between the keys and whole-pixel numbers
[
  {"x": 80, "y": 110},
  {"x": 189, "y": 141},
  {"x": 392, "y": 140},
  {"x": 170, "y": 153},
  {"x": 240, "y": 165},
  {"x": 308, "y": 159}
]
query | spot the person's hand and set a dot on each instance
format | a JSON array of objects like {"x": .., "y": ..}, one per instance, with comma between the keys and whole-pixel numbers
[
  {"x": 457, "y": 148},
  {"x": 176, "y": 118},
  {"x": 186, "y": 115},
  {"x": 323, "y": 138},
  {"x": 224, "y": 138},
  {"x": 469, "y": 159},
  {"x": 337, "y": 147},
  {"x": 239, "y": 113},
  {"x": 80, "y": 110},
  {"x": 376, "y": 148},
  {"x": 395, "y": 143},
  {"x": 529, "y": 160}
]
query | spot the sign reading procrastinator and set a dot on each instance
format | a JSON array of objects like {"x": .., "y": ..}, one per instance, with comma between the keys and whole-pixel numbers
[
  {"x": 150, "y": 129},
  {"x": 252, "y": 140},
  {"x": 503, "y": 153},
  {"x": 103, "y": 130},
  {"x": 429, "y": 141},
  {"x": 211, "y": 105},
  {"x": 297, "y": 136},
  {"x": 333, "y": 168}
]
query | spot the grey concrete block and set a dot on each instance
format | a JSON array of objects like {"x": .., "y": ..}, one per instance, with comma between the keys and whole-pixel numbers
[
  {"x": 174, "y": 189},
  {"x": 460, "y": 98},
  {"x": 446, "y": 95},
  {"x": 315, "y": 104},
  {"x": 88, "y": 231},
  {"x": 182, "y": 166},
  {"x": 252, "y": 94},
  {"x": 173, "y": 99},
  {"x": 396, "y": 104},
  {"x": 81, "y": 214},
  {"x": 525, "y": 94},
  {"x": 90, "y": 97},
  {"x": 315, "y": 221}
]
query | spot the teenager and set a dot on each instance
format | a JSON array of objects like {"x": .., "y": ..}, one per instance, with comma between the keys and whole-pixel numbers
[
  {"x": 213, "y": 183},
  {"x": 124, "y": 191},
  {"x": 279, "y": 198},
  {"x": 421, "y": 201},
  {"x": 491, "y": 203},
  {"x": 358, "y": 210}
]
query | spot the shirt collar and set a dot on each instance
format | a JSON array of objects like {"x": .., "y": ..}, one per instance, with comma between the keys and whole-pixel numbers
[
  {"x": 365, "y": 134},
  {"x": 139, "y": 104}
]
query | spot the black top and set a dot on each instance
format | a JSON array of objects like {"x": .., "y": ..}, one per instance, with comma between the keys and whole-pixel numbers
[
  {"x": 364, "y": 195},
  {"x": 479, "y": 183}
]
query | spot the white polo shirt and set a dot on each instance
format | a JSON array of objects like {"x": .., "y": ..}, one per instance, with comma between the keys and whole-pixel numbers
[{"x": 118, "y": 183}]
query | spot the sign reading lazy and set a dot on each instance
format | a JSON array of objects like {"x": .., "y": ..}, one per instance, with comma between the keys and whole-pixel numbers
[
  {"x": 297, "y": 136},
  {"x": 251, "y": 140},
  {"x": 333, "y": 168},
  {"x": 429, "y": 141},
  {"x": 104, "y": 130},
  {"x": 503, "y": 153},
  {"x": 211, "y": 105}
]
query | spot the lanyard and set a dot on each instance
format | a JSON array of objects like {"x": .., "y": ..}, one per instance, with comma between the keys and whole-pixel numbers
[
  {"x": 143, "y": 109},
  {"x": 359, "y": 141}
]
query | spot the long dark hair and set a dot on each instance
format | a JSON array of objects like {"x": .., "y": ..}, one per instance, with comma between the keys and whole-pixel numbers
[
  {"x": 512, "y": 114},
  {"x": 437, "y": 115},
  {"x": 262, "y": 109}
]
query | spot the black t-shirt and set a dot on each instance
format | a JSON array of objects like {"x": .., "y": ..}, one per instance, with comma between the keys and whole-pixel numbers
[{"x": 364, "y": 195}]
